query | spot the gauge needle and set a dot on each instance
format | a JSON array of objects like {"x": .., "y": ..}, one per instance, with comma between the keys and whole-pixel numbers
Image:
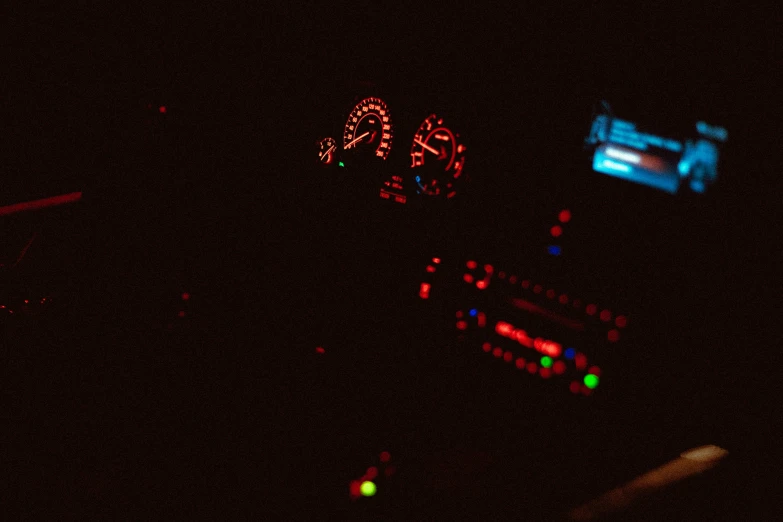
[
  {"x": 326, "y": 154},
  {"x": 434, "y": 151},
  {"x": 348, "y": 145}
]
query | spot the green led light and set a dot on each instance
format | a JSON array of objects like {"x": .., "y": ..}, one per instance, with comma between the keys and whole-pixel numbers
[
  {"x": 546, "y": 362},
  {"x": 368, "y": 488},
  {"x": 591, "y": 381},
  {"x": 341, "y": 164}
]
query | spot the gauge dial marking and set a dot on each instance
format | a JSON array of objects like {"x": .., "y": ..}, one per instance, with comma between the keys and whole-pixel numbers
[{"x": 369, "y": 127}]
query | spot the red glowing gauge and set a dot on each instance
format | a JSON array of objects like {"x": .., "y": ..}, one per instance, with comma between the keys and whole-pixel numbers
[
  {"x": 327, "y": 148},
  {"x": 369, "y": 128},
  {"x": 438, "y": 157}
]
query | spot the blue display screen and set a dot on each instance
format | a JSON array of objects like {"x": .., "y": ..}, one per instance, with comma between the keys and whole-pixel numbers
[{"x": 623, "y": 151}]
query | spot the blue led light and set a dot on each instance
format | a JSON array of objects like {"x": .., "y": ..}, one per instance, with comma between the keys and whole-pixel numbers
[
  {"x": 554, "y": 250},
  {"x": 473, "y": 312},
  {"x": 418, "y": 179},
  {"x": 570, "y": 353}
]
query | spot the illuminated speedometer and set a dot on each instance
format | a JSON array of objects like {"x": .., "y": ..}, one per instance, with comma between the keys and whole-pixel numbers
[{"x": 369, "y": 128}]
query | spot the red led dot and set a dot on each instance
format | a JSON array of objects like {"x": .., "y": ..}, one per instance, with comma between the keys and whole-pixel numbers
[
  {"x": 559, "y": 367},
  {"x": 162, "y": 109},
  {"x": 591, "y": 309},
  {"x": 486, "y": 347},
  {"x": 181, "y": 313},
  {"x": 508, "y": 356},
  {"x": 563, "y": 299},
  {"x": 385, "y": 456},
  {"x": 537, "y": 289},
  {"x": 481, "y": 285},
  {"x": 459, "y": 314},
  {"x": 372, "y": 472},
  {"x": 550, "y": 294},
  {"x": 462, "y": 325},
  {"x": 497, "y": 352},
  {"x": 525, "y": 284},
  {"x": 580, "y": 360},
  {"x": 564, "y": 216},
  {"x": 613, "y": 336},
  {"x": 545, "y": 373},
  {"x": 356, "y": 488},
  {"x": 185, "y": 296},
  {"x": 468, "y": 278},
  {"x": 520, "y": 363},
  {"x": 595, "y": 370},
  {"x": 621, "y": 321},
  {"x": 532, "y": 367},
  {"x": 606, "y": 315},
  {"x": 472, "y": 264},
  {"x": 501, "y": 275},
  {"x": 585, "y": 390},
  {"x": 488, "y": 269},
  {"x": 574, "y": 387},
  {"x": 436, "y": 260},
  {"x": 430, "y": 268},
  {"x": 556, "y": 231},
  {"x": 320, "y": 349},
  {"x": 512, "y": 280}
]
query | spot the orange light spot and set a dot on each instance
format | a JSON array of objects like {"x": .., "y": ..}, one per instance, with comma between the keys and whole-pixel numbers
[{"x": 436, "y": 260}]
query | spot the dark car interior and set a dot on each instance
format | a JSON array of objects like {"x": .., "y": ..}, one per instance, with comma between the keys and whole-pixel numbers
[{"x": 391, "y": 263}]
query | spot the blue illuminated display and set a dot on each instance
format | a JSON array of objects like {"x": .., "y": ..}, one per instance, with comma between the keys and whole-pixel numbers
[
  {"x": 473, "y": 312},
  {"x": 570, "y": 353},
  {"x": 622, "y": 151},
  {"x": 554, "y": 250}
]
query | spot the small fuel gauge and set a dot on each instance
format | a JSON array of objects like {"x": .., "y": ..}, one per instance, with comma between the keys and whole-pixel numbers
[{"x": 326, "y": 150}]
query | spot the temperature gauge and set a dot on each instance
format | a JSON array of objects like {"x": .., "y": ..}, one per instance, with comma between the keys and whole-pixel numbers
[
  {"x": 438, "y": 157},
  {"x": 326, "y": 150}
]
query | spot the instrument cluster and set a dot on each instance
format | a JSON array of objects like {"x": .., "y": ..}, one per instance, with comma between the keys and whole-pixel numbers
[{"x": 426, "y": 164}]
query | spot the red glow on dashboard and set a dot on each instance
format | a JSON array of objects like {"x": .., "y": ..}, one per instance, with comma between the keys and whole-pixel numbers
[
  {"x": 482, "y": 319},
  {"x": 320, "y": 349},
  {"x": 563, "y": 299},
  {"x": 532, "y": 367},
  {"x": 385, "y": 456},
  {"x": 504, "y": 329},
  {"x": 591, "y": 309},
  {"x": 508, "y": 356},
  {"x": 520, "y": 363},
  {"x": 430, "y": 268},
  {"x": 538, "y": 310},
  {"x": 501, "y": 275},
  {"x": 459, "y": 314},
  {"x": 512, "y": 279},
  {"x": 546, "y": 373},
  {"x": 486, "y": 347},
  {"x": 564, "y": 216},
  {"x": 621, "y": 321},
  {"x": 162, "y": 109},
  {"x": 356, "y": 488},
  {"x": 556, "y": 231},
  {"x": 436, "y": 260},
  {"x": 372, "y": 472},
  {"x": 574, "y": 387},
  {"x": 606, "y": 315},
  {"x": 613, "y": 336},
  {"x": 526, "y": 284},
  {"x": 481, "y": 285},
  {"x": 497, "y": 352},
  {"x": 544, "y": 346},
  {"x": 472, "y": 264},
  {"x": 580, "y": 361},
  {"x": 488, "y": 269},
  {"x": 181, "y": 313},
  {"x": 424, "y": 291},
  {"x": 185, "y": 296},
  {"x": 559, "y": 367},
  {"x": 595, "y": 370},
  {"x": 550, "y": 294},
  {"x": 537, "y": 289},
  {"x": 462, "y": 325},
  {"x": 40, "y": 203},
  {"x": 468, "y": 278}
]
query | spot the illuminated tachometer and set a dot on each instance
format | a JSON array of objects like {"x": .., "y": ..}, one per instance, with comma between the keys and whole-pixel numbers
[
  {"x": 438, "y": 157},
  {"x": 369, "y": 128}
]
